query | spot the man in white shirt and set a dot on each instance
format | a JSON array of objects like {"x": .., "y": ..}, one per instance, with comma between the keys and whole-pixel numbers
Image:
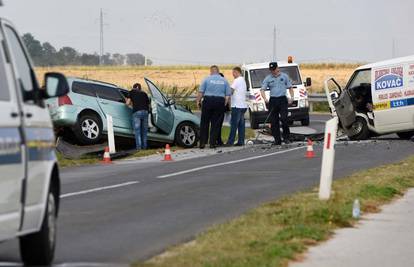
[{"x": 238, "y": 108}]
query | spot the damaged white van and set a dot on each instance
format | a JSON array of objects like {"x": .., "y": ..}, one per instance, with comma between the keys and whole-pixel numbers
[{"x": 378, "y": 100}]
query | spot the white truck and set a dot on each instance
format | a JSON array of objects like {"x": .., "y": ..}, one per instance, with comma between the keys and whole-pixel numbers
[
  {"x": 378, "y": 100},
  {"x": 29, "y": 175},
  {"x": 254, "y": 75}
]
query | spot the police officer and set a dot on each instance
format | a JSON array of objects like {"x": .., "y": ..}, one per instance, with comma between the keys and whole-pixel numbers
[
  {"x": 215, "y": 93},
  {"x": 278, "y": 83}
]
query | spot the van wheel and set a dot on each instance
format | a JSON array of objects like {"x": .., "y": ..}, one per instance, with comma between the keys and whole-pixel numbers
[
  {"x": 186, "y": 135},
  {"x": 254, "y": 124},
  {"x": 88, "y": 130},
  {"x": 305, "y": 122},
  {"x": 38, "y": 249},
  {"x": 359, "y": 130},
  {"x": 406, "y": 135}
]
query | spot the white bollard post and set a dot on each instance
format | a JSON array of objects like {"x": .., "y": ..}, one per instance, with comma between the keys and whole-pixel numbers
[
  {"x": 328, "y": 159},
  {"x": 111, "y": 136}
]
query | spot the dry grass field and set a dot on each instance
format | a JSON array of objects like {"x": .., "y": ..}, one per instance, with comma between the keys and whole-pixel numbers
[{"x": 187, "y": 77}]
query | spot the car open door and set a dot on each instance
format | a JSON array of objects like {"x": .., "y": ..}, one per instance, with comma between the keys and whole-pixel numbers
[{"x": 163, "y": 115}]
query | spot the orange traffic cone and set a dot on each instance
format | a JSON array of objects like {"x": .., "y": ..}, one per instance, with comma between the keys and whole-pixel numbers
[
  {"x": 107, "y": 157},
  {"x": 167, "y": 153},
  {"x": 309, "y": 151}
]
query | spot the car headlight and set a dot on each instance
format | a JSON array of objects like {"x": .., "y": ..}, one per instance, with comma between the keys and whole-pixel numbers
[{"x": 303, "y": 103}]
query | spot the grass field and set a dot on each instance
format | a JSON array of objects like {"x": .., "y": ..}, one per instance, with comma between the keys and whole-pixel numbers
[
  {"x": 188, "y": 77},
  {"x": 280, "y": 231}
]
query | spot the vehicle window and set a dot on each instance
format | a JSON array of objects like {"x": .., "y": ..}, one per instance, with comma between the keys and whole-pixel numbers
[
  {"x": 158, "y": 96},
  {"x": 360, "y": 77},
  {"x": 4, "y": 88},
  {"x": 246, "y": 77},
  {"x": 22, "y": 64},
  {"x": 108, "y": 93},
  {"x": 83, "y": 88},
  {"x": 258, "y": 75}
]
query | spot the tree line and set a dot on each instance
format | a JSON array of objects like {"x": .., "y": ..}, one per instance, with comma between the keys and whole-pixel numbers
[{"x": 45, "y": 54}]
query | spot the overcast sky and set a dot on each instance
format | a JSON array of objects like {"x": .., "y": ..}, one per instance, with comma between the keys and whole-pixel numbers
[{"x": 223, "y": 31}]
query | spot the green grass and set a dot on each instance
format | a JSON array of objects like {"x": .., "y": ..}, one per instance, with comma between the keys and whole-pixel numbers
[{"x": 278, "y": 232}]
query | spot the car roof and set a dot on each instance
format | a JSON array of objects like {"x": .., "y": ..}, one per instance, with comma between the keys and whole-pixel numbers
[
  {"x": 77, "y": 79},
  {"x": 388, "y": 62},
  {"x": 265, "y": 65}
]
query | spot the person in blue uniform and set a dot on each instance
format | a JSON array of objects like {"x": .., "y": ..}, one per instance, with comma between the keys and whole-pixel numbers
[
  {"x": 213, "y": 95},
  {"x": 278, "y": 83}
]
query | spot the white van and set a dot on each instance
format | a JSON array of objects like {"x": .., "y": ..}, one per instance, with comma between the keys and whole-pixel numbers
[
  {"x": 378, "y": 100},
  {"x": 29, "y": 176},
  {"x": 255, "y": 74}
]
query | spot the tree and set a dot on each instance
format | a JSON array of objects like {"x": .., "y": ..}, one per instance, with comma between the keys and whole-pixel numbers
[
  {"x": 89, "y": 59},
  {"x": 49, "y": 55},
  {"x": 34, "y": 47},
  {"x": 135, "y": 59},
  {"x": 68, "y": 56},
  {"x": 118, "y": 59}
]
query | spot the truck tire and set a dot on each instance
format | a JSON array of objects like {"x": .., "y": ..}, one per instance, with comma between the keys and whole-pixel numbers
[
  {"x": 38, "y": 249},
  {"x": 305, "y": 122},
  {"x": 406, "y": 135},
  {"x": 186, "y": 135},
  {"x": 254, "y": 124},
  {"x": 88, "y": 129},
  {"x": 359, "y": 130}
]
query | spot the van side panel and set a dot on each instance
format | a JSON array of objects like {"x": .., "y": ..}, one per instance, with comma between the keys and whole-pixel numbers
[{"x": 393, "y": 97}]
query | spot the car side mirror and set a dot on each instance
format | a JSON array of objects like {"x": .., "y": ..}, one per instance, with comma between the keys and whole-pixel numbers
[
  {"x": 55, "y": 85},
  {"x": 334, "y": 95},
  {"x": 308, "y": 82},
  {"x": 170, "y": 102}
]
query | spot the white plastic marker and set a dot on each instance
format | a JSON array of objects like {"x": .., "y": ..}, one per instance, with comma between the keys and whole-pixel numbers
[
  {"x": 93, "y": 190},
  {"x": 111, "y": 137},
  {"x": 228, "y": 163},
  {"x": 328, "y": 159}
]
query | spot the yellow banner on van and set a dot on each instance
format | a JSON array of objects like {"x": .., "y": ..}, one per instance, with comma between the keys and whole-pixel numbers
[{"x": 382, "y": 106}]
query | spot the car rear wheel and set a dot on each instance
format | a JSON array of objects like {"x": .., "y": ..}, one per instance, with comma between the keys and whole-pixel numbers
[
  {"x": 38, "y": 249},
  {"x": 186, "y": 135},
  {"x": 406, "y": 135},
  {"x": 88, "y": 130},
  {"x": 359, "y": 130}
]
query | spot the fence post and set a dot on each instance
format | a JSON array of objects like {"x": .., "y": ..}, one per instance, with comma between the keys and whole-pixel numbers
[
  {"x": 328, "y": 159},
  {"x": 111, "y": 137}
]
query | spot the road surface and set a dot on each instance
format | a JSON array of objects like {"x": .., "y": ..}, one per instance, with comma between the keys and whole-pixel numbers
[{"x": 131, "y": 211}]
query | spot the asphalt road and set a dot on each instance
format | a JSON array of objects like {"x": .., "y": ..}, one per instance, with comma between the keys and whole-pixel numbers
[{"x": 132, "y": 211}]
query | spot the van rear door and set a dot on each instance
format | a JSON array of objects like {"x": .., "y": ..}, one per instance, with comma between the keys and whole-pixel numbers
[{"x": 12, "y": 167}]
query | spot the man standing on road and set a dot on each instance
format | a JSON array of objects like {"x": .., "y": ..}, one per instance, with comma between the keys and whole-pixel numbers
[
  {"x": 278, "y": 83},
  {"x": 238, "y": 108},
  {"x": 140, "y": 105},
  {"x": 215, "y": 93}
]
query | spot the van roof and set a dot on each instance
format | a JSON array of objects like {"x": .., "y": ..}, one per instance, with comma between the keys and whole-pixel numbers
[
  {"x": 387, "y": 62},
  {"x": 265, "y": 65}
]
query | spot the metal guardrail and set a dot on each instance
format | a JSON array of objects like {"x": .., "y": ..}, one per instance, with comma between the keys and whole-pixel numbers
[{"x": 312, "y": 98}]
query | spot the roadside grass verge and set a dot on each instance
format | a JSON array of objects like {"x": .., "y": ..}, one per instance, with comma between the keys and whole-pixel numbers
[
  {"x": 96, "y": 158},
  {"x": 278, "y": 232}
]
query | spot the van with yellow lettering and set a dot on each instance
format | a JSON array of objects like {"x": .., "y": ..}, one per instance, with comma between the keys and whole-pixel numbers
[{"x": 378, "y": 100}]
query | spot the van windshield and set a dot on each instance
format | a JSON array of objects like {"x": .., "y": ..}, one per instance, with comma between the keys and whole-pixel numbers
[
  {"x": 361, "y": 77},
  {"x": 258, "y": 75}
]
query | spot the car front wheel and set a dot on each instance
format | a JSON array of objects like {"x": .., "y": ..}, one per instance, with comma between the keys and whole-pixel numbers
[
  {"x": 186, "y": 135},
  {"x": 38, "y": 249}
]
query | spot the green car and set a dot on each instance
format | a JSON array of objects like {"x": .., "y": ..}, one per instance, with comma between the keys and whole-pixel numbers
[{"x": 84, "y": 109}]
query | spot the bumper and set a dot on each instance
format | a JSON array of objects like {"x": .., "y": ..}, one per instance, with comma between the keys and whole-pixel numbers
[
  {"x": 296, "y": 114},
  {"x": 64, "y": 116}
]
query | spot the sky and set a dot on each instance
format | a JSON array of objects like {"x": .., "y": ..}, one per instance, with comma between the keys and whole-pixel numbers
[{"x": 223, "y": 31}]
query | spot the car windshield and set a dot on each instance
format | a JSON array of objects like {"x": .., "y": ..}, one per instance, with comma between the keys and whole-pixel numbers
[
  {"x": 258, "y": 75},
  {"x": 360, "y": 77}
]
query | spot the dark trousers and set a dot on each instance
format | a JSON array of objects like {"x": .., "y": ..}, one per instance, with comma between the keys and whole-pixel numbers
[
  {"x": 278, "y": 107},
  {"x": 212, "y": 111}
]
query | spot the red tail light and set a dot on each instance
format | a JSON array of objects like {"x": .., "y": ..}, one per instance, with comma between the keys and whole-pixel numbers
[{"x": 64, "y": 100}]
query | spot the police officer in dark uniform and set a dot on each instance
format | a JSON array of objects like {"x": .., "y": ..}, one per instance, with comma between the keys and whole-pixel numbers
[
  {"x": 215, "y": 93},
  {"x": 278, "y": 83}
]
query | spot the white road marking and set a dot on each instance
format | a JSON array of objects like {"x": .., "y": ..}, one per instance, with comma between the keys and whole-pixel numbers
[
  {"x": 227, "y": 163},
  {"x": 93, "y": 190}
]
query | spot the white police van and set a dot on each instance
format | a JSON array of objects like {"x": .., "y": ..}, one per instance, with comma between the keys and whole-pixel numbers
[
  {"x": 254, "y": 75},
  {"x": 29, "y": 176},
  {"x": 378, "y": 100}
]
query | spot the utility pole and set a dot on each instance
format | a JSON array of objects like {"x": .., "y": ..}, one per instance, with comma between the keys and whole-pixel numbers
[
  {"x": 101, "y": 38},
  {"x": 274, "y": 43}
]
